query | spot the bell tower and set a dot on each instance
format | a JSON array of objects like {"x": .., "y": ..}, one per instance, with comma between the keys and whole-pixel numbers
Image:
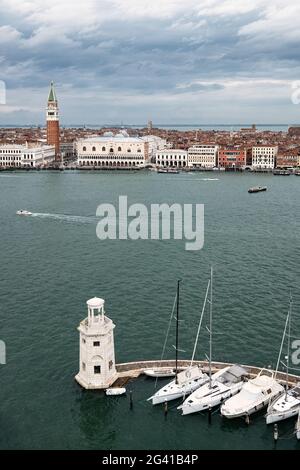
[
  {"x": 96, "y": 348},
  {"x": 53, "y": 121}
]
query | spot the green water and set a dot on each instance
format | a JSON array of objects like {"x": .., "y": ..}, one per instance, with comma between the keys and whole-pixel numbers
[{"x": 53, "y": 262}]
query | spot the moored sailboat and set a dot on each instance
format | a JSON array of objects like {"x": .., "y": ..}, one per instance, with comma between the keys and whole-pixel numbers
[
  {"x": 186, "y": 381},
  {"x": 287, "y": 404}
]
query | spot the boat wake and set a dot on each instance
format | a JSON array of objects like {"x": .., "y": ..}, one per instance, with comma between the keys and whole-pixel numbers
[{"x": 71, "y": 219}]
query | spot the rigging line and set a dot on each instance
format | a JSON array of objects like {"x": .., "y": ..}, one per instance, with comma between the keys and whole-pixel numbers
[
  {"x": 282, "y": 342},
  {"x": 200, "y": 323},
  {"x": 167, "y": 335}
]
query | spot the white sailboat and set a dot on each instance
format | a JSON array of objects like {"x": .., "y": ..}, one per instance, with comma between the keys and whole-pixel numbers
[
  {"x": 221, "y": 385},
  {"x": 254, "y": 395},
  {"x": 188, "y": 380},
  {"x": 287, "y": 404},
  {"x": 224, "y": 384}
]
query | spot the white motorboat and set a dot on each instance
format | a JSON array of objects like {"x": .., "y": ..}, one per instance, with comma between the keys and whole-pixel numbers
[
  {"x": 113, "y": 391},
  {"x": 23, "y": 212},
  {"x": 254, "y": 395},
  {"x": 188, "y": 380},
  {"x": 285, "y": 406},
  {"x": 298, "y": 426},
  {"x": 160, "y": 372},
  {"x": 224, "y": 384}
]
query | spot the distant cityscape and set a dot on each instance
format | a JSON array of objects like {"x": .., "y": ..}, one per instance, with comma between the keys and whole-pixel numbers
[{"x": 52, "y": 147}]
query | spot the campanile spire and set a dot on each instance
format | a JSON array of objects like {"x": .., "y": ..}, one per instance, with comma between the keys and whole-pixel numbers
[{"x": 53, "y": 120}]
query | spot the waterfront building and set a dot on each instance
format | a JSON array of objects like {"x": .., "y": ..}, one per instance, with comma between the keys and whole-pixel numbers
[
  {"x": 264, "y": 156},
  {"x": 231, "y": 157},
  {"x": 26, "y": 156},
  {"x": 155, "y": 143},
  {"x": 174, "y": 158},
  {"x": 201, "y": 155},
  {"x": 111, "y": 150},
  {"x": 53, "y": 121},
  {"x": 288, "y": 159},
  {"x": 96, "y": 348},
  {"x": 150, "y": 125}
]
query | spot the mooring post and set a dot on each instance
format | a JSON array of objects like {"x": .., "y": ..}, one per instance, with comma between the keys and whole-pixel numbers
[
  {"x": 130, "y": 400},
  {"x": 166, "y": 408},
  {"x": 275, "y": 434},
  {"x": 247, "y": 419},
  {"x": 209, "y": 415}
]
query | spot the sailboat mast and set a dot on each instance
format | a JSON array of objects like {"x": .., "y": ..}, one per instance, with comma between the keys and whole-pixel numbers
[
  {"x": 177, "y": 333},
  {"x": 288, "y": 346},
  {"x": 210, "y": 325}
]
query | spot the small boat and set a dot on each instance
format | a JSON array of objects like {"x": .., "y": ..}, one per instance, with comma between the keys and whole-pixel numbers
[
  {"x": 23, "y": 212},
  {"x": 160, "y": 372},
  {"x": 282, "y": 172},
  {"x": 113, "y": 391},
  {"x": 224, "y": 384},
  {"x": 168, "y": 170},
  {"x": 257, "y": 189},
  {"x": 254, "y": 395},
  {"x": 298, "y": 427}
]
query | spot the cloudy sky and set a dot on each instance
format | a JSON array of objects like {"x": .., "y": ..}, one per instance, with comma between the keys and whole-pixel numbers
[{"x": 174, "y": 61}]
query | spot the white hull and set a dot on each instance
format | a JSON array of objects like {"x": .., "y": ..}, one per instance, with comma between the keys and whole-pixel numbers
[
  {"x": 173, "y": 391},
  {"x": 225, "y": 383},
  {"x": 114, "y": 391},
  {"x": 254, "y": 396},
  {"x": 275, "y": 417},
  {"x": 298, "y": 427},
  {"x": 159, "y": 373},
  {"x": 210, "y": 402},
  {"x": 23, "y": 213}
]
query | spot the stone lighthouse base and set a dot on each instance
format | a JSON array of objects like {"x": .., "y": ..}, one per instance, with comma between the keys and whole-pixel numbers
[{"x": 89, "y": 386}]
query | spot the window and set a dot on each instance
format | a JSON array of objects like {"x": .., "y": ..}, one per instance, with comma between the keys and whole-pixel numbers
[
  {"x": 94, "y": 149},
  {"x": 103, "y": 149},
  {"x": 83, "y": 340},
  {"x": 96, "y": 343},
  {"x": 110, "y": 364},
  {"x": 111, "y": 150},
  {"x": 128, "y": 150},
  {"x": 97, "y": 369},
  {"x": 139, "y": 150},
  {"x": 119, "y": 149},
  {"x": 84, "y": 149},
  {"x": 83, "y": 366}
]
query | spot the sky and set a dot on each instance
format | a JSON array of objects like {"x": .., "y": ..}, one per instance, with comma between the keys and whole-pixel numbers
[{"x": 172, "y": 61}]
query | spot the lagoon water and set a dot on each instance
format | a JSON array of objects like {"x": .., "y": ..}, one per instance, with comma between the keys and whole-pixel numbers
[{"x": 53, "y": 262}]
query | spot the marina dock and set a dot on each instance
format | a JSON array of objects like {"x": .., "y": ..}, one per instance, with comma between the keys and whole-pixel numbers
[{"x": 131, "y": 370}]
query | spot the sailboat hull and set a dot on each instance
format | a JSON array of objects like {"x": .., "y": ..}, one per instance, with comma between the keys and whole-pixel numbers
[
  {"x": 276, "y": 417},
  {"x": 173, "y": 391}
]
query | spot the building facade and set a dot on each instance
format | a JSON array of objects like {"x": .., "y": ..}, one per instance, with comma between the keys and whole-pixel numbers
[
  {"x": 231, "y": 157},
  {"x": 53, "y": 137},
  {"x": 288, "y": 159},
  {"x": 173, "y": 158},
  {"x": 25, "y": 156},
  {"x": 108, "y": 151},
  {"x": 264, "y": 156},
  {"x": 203, "y": 156}
]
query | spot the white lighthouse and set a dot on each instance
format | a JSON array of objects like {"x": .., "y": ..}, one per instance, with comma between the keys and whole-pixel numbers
[{"x": 96, "y": 348}]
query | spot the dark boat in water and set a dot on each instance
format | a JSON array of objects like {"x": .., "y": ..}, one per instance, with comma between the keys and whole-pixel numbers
[{"x": 257, "y": 189}]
